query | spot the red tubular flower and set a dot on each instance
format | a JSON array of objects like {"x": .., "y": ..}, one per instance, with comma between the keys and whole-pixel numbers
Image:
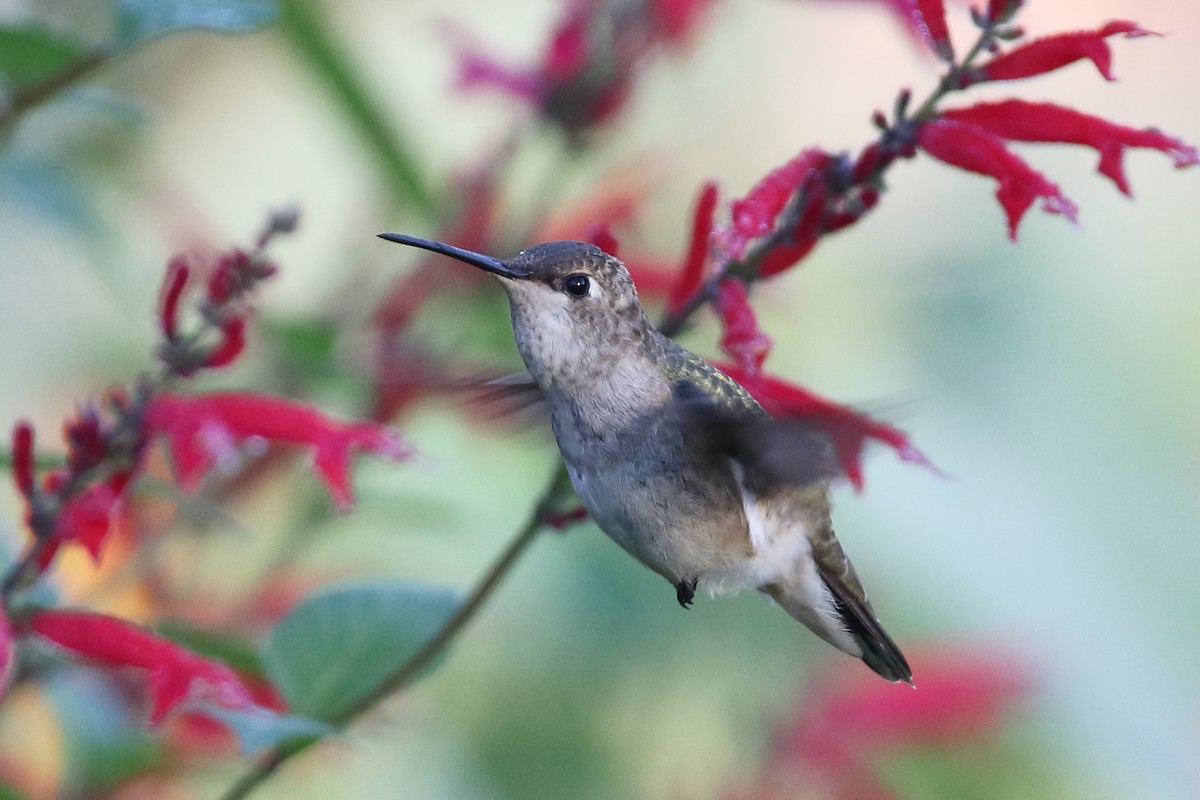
[
  {"x": 848, "y": 429},
  {"x": 602, "y": 236},
  {"x": 928, "y": 17},
  {"x": 203, "y": 430},
  {"x": 22, "y": 458},
  {"x": 756, "y": 214},
  {"x": 88, "y": 517},
  {"x": 692, "y": 272},
  {"x": 1046, "y": 122},
  {"x": 587, "y": 69},
  {"x": 172, "y": 289},
  {"x": 742, "y": 340},
  {"x": 233, "y": 341},
  {"x": 1054, "y": 52},
  {"x": 176, "y": 674},
  {"x": 977, "y": 150}
]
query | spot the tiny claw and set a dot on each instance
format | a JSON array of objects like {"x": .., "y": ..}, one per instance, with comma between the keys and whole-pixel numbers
[{"x": 685, "y": 592}]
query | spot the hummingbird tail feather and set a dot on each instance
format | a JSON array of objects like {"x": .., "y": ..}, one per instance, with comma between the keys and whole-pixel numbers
[{"x": 844, "y": 622}]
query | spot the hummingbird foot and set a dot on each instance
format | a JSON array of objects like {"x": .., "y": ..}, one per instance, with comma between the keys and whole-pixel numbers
[{"x": 685, "y": 591}]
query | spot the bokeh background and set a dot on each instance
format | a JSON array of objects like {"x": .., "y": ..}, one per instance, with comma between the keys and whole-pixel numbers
[{"x": 1056, "y": 382}]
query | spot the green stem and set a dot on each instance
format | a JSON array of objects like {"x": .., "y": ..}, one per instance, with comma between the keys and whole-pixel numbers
[
  {"x": 29, "y": 97},
  {"x": 400, "y": 677}
]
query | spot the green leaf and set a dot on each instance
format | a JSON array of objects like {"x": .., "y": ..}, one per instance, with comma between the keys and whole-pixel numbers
[
  {"x": 27, "y": 54},
  {"x": 9, "y": 793},
  {"x": 141, "y": 20},
  {"x": 260, "y": 728},
  {"x": 334, "y": 648},
  {"x": 308, "y": 35}
]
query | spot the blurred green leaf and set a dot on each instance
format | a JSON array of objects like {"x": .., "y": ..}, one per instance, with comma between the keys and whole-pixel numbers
[
  {"x": 257, "y": 729},
  {"x": 335, "y": 647},
  {"x": 105, "y": 739},
  {"x": 27, "y": 54},
  {"x": 304, "y": 347},
  {"x": 9, "y": 793},
  {"x": 141, "y": 20},
  {"x": 308, "y": 35}
]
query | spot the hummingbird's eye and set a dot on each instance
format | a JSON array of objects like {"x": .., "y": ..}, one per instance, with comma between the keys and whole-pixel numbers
[{"x": 577, "y": 285}]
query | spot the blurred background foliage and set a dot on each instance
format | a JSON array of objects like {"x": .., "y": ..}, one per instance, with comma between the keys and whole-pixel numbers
[{"x": 1056, "y": 381}]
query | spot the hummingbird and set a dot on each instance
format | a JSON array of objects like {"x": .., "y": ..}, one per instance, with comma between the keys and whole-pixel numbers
[{"x": 672, "y": 458}]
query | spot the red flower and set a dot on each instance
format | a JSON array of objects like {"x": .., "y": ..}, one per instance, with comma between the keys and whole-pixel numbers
[
  {"x": 22, "y": 458},
  {"x": 204, "y": 430},
  {"x": 176, "y": 674},
  {"x": 928, "y": 18},
  {"x": 848, "y": 429},
  {"x": 846, "y": 724},
  {"x": 742, "y": 339},
  {"x": 676, "y": 20},
  {"x": 172, "y": 289},
  {"x": 691, "y": 273},
  {"x": 1046, "y": 122},
  {"x": 88, "y": 516},
  {"x": 1053, "y": 52},
  {"x": 233, "y": 342},
  {"x": 587, "y": 69},
  {"x": 977, "y": 150},
  {"x": 602, "y": 236}
]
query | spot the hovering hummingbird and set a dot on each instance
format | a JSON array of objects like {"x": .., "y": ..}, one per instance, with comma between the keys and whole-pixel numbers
[{"x": 673, "y": 459}]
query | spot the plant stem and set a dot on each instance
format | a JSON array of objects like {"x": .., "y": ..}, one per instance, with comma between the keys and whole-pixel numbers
[
  {"x": 403, "y": 675},
  {"x": 29, "y": 97}
]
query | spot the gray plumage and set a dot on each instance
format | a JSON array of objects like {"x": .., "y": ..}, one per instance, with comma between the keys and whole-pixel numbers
[{"x": 672, "y": 458}]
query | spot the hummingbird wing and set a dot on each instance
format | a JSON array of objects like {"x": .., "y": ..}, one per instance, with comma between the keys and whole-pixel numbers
[{"x": 771, "y": 452}]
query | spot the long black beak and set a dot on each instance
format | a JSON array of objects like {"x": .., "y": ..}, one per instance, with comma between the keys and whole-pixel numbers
[{"x": 486, "y": 263}]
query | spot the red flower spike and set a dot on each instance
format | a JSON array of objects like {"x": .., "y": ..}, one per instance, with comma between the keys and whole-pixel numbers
[
  {"x": 1054, "y": 52},
  {"x": 742, "y": 340},
  {"x": 848, "y": 429},
  {"x": 176, "y": 674},
  {"x": 692, "y": 272},
  {"x": 22, "y": 458},
  {"x": 1046, "y": 122},
  {"x": 977, "y": 150},
  {"x": 172, "y": 289},
  {"x": 204, "y": 430},
  {"x": 601, "y": 235},
  {"x": 233, "y": 341}
]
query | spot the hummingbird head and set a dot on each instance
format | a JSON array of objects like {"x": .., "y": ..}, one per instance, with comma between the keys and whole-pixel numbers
[{"x": 575, "y": 311}]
